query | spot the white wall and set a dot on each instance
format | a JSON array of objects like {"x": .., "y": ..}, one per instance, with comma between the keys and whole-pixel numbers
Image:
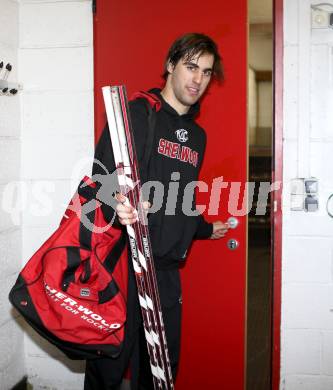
[
  {"x": 260, "y": 51},
  {"x": 264, "y": 130},
  {"x": 260, "y": 11},
  {"x": 260, "y": 59},
  {"x": 265, "y": 103},
  {"x": 253, "y": 120},
  {"x": 307, "y": 272},
  {"x": 53, "y": 116},
  {"x": 12, "y": 367}
]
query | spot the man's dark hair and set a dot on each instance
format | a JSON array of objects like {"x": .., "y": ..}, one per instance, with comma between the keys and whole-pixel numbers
[{"x": 188, "y": 46}]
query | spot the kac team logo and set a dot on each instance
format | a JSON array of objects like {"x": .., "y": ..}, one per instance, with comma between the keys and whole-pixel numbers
[{"x": 182, "y": 135}]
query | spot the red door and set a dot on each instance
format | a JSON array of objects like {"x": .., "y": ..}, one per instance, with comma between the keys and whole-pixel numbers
[{"x": 130, "y": 44}]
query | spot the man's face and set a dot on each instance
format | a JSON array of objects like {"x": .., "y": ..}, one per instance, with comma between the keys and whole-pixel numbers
[{"x": 189, "y": 79}]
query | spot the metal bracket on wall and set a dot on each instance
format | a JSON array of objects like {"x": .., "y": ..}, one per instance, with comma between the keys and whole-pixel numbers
[{"x": 7, "y": 88}]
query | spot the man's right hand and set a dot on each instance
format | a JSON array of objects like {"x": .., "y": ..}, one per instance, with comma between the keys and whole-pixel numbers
[{"x": 127, "y": 214}]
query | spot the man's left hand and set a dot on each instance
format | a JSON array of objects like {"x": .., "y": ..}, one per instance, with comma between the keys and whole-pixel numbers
[{"x": 219, "y": 230}]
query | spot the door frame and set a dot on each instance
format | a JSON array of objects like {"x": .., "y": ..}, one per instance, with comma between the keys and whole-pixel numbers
[{"x": 277, "y": 176}]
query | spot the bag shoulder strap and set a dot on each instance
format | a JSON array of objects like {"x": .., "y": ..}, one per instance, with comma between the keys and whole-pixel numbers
[{"x": 150, "y": 135}]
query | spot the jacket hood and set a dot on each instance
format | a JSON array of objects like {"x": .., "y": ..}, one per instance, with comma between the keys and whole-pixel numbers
[
  {"x": 152, "y": 99},
  {"x": 157, "y": 102}
]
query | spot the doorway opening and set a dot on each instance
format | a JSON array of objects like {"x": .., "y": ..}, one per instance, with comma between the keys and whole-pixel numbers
[{"x": 260, "y": 125}]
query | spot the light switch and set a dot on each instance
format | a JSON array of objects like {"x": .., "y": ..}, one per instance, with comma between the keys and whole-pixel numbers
[
  {"x": 311, "y": 203},
  {"x": 297, "y": 186},
  {"x": 311, "y": 186},
  {"x": 297, "y": 202}
]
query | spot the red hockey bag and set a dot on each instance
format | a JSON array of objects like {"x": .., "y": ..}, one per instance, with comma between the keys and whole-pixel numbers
[{"x": 73, "y": 290}]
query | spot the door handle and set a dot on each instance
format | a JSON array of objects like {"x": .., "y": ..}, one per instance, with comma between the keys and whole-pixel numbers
[{"x": 233, "y": 222}]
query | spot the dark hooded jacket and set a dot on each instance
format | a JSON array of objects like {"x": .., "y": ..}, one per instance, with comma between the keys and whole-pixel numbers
[{"x": 175, "y": 160}]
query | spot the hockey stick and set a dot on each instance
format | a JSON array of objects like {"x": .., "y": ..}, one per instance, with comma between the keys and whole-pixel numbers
[{"x": 115, "y": 100}]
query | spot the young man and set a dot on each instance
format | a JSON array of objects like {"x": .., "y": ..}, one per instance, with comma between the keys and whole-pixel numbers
[{"x": 175, "y": 160}]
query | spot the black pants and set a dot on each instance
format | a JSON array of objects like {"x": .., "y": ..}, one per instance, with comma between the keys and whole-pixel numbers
[{"x": 107, "y": 373}]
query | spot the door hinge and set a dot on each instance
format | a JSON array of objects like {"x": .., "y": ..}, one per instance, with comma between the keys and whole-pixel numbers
[{"x": 93, "y": 6}]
